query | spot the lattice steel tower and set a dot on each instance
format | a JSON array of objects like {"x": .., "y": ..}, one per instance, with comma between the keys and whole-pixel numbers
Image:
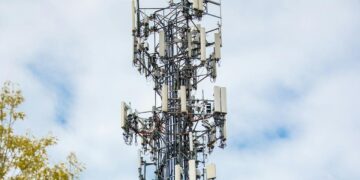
[{"x": 177, "y": 46}]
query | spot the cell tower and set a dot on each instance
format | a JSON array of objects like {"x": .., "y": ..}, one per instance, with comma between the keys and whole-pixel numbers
[{"x": 177, "y": 46}]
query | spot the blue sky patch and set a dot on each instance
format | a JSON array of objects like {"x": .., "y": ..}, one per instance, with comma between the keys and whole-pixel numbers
[
  {"x": 280, "y": 94},
  {"x": 55, "y": 80},
  {"x": 265, "y": 138},
  {"x": 277, "y": 134}
]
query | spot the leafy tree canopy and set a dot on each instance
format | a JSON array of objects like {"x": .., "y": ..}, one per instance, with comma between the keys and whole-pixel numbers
[{"x": 25, "y": 156}]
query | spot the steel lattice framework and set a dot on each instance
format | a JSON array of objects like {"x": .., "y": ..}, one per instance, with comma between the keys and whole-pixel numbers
[{"x": 174, "y": 47}]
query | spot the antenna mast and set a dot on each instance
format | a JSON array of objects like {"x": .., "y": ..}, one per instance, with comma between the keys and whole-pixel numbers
[{"x": 177, "y": 46}]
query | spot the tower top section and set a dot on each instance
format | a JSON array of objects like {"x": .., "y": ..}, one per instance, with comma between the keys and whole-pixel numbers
[{"x": 177, "y": 46}]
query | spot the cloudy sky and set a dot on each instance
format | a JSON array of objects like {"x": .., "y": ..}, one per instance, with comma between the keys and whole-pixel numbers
[{"x": 292, "y": 69}]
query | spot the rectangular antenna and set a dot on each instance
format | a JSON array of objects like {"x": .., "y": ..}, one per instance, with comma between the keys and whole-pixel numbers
[
  {"x": 189, "y": 38},
  {"x": 201, "y": 5},
  {"x": 202, "y": 44},
  {"x": 213, "y": 72},
  {"x": 123, "y": 115},
  {"x": 162, "y": 43},
  {"x": 217, "y": 46},
  {"x": 133, "y": 15},
  {"x": 178, "y": 172},
  {"x": 164, "y": 98},
  {"x": 217, "y": 99},
  {"x": 223, "y": 100},
  {"x": 220, "y": 99},
  {"x": 192, "y": 170},
  {"x": 196, "y": 4},
  {"x": 183, "y": 99},
  {"x": 191, "y": 142},
  {"x": 210, "y": 171}
]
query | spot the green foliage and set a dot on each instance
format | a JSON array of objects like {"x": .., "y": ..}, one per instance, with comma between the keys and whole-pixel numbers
[{"x": 25, "y": 156}]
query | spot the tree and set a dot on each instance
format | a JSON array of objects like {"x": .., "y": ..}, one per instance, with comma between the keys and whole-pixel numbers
[{"x": 25, "y": 156}]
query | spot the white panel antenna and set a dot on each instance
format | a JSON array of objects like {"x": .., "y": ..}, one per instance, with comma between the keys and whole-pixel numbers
[
  {"x": 217, "y": 46},
  {"x": 201, "y": 5},
  {"x": 195, "y": 4},
  {"x": 162, "y": 44},
  {"x": 220, "y": 101},
  {"x": 192, "y": 170},
  {"x": 191, "y": 141},
  {"x": 210, "y": 171},
  {"x": 223, "y": 100},
  {"x": 164, "y": 98},
  {"x": 178, "y": 172},
  {"x": 183, "y": 99},
  {"x": 133, "y": 15},
  {"x": 217, "y": 99},
  {"x": 202, "y": 44},
  {"x": 198, "y": 5},
  {"x": 123, "y": 120},
  {"x": 189, "y": 39}
]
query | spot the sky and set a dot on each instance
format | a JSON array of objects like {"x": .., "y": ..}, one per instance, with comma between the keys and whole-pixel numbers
[{"x": 291, "y": 68}]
